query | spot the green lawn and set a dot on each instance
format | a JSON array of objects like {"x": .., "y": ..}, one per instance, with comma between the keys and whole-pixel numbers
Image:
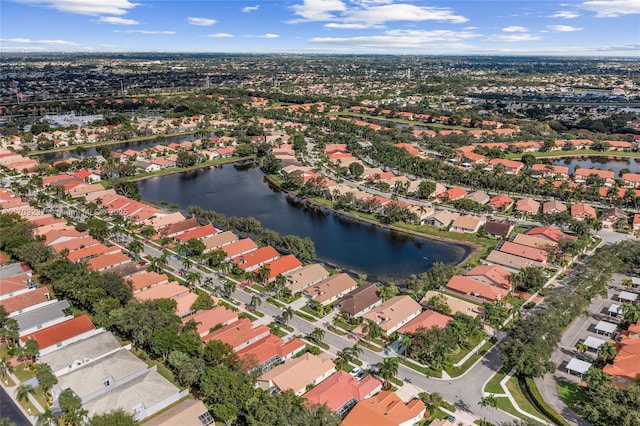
[
  {"x": 571, "y": 394},
  {"x": 456, "y": 372},
  {"x": 23, "y": 373},
  {"x": 493, "y": 385},
  {"x": 39, "y": 395},
  {"x": 505, "y": 405},
  {"x": 474, "y": 340},
  {"x": 305, "y": 316},
  {"x": 521, "y": 399}
]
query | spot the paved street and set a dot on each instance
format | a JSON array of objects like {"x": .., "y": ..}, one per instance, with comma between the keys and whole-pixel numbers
[{"x": 9, "y": 409}]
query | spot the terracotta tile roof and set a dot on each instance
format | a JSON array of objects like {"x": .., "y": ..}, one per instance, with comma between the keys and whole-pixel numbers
[
  {"x": 166, "y": 291},
  {"x": 183, "y": 304},
  {"x": 91, "y": 252},
  {"x": 524, "y": 251},
  {"x": 393, "y": 312},
  {"x": 239, "y": 333},
  {"x": 283, "y": 265},
  {"x": 528, "y": 205},
  {"x": 550, "y": 233},
  {"x": 339, "y": 388},
  {"x": 107, "y": 260},
  {"x": 214, "y": 242},
  {"x": 307, "y": 275},
  {"x": 198, "y": 233},
  {"x": 494, "y": 273},
  {"x": 56, "y": 234},
  {"x": 256, "y": 258},
  {"x": 427, "y": 320},
  {"x": 585, "y": 173},
  {"x": 359, "y": 299},
  {"x": 210, "y": 318},
  {"x": 297, "y": 373},
  {"x": 180, "y": 227},
  {"x": 553, "y": 207},
  {"x": 14, "y": 283},
  {"x": 500, "y": 200},
  {"x": 271, "y": 346},
  {"x": 452, "y": 194},
  {"x": 626, "y": 364},
  {"x": 60, "y": 332},
  {"x": 384, "y": 409},
  {"x": 147, "y": 279},
  {"x": 472, "y": 287},
  {"x": 330, "y": 288},
  {"x": 583, "y": 211},
  {"x": 25, "y": 300},
  {"x": 239, "y": 247}
]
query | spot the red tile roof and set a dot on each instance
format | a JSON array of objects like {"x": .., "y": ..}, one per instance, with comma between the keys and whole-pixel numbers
[
  {"x": 24, "y": 300},
  {"x": 524, "y": 251},
  {"x": 471, "y": 287},
  {"x": 239, "y": 247},
  {"x": 500, "y": 200},
  {"x": 427, "y": 320},
  {"x": 339, "y": 388},
  {"x": 198, "y": 233},
  {"x": 238, "y": 333},
  {"x": 60, "y": 332},
  {"x": 210, "y": 318},
  {"x": 550, "y": 233},
  {"x": 256, "y": 258},
  {"x": 494, "y": 273},
  {"x": 271, "y": 346},
  {"x": 283, "y": 265},
  {"x": 384, "y": 409}
]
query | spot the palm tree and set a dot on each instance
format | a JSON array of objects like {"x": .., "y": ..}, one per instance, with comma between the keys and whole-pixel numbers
[
  {"x": 47, "y": 417},
  {"x": 631, "y": 312},
  {"x": 135, "y": 247},
  {"x": 595, "y": 377},
  {"x": 489, "y": 401},
  {"x": 287, "y": 313},
  {"x": 607, "y": 352},
  {"x": 5, "y": 367},
  {"x": 405, "y": 344},
  {"x": 356, "y": 351},
  {"x": 581, "y": 347},
  {"x": 229, "y": 287},
  {"x": 255, "y": 302},
  {"x": 187, "y": 263},
  {"x": 387, "y": 369},
  {"x": 263, "y": 273},
  {"x": 23, "y": 391},
  {"x": 372, "y": 329},
  {"x": 317, "y": 334},
  {"x": 192, "y": 278}
]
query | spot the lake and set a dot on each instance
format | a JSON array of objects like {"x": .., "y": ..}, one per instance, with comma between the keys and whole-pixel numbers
[
  {"x": 600, "y": 163},
  {"x": 136, "y": 146},
  {"x": 349, "y": 244}
]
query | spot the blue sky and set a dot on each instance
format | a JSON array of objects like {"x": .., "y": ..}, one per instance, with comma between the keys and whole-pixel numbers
[{"x": 592, "y": 27}]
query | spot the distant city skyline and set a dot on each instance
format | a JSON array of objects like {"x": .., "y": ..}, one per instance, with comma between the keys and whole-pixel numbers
[{"x": 502, "y": 27}]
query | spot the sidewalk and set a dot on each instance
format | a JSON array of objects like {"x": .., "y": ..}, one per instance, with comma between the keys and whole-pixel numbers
[{"x": 11, "y": 391}]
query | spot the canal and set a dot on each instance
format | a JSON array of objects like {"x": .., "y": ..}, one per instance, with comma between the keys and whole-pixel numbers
[{"x": 349, "y": 244}]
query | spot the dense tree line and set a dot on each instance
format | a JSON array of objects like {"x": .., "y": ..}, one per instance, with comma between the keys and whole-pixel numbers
[{"x": 303, "y": 248}]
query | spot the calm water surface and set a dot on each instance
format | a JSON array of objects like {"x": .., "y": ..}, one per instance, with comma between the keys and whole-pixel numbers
[
  {"x": 352, "y": 245},
  {"x": 600, "y": 163}
]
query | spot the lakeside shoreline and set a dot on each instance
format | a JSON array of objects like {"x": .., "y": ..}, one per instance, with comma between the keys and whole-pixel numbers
[{"x": 474, "y": 248}]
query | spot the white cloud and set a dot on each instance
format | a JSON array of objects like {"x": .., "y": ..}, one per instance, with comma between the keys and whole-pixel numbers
[
  {"x": 86, "y": 7},
  {"x": 402, "y": 12},
  {"x": 269, "y": 35},
  {"x": 220, "y": 35},
  {"x": 565, "y": 14},
  {"x": 514, "y": 37},
  {"x": 515, "y": 29},
  {"x": 23, "y": 48},
  {"x": 31, "y": 41},
  {"x": 145, "y": 32},
  {"x": 612, "y": 8},
  {"x": 116, "y": 20},
  {"x": 248, "y": 9},
  {"x": 201, "y": 22},
  {"x": 350, "y": 26},
  {"x": 318, "y": 10},
  {"x": 471, "y": 28},
  {"x": 563, "y": 28},
  {"x": 403, "y": 38}
]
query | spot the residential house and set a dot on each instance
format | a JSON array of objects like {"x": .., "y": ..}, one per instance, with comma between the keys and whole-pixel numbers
[
  {"x": 535, "y": 241},
  {"x": 107, "y": 261},
  {"x": 281, "y": 265},
  {"x": 330, "y": 289},
  {"x": 342, "y": 391},
  {"x": 360, "y": 301},
  {"x": 492, "y": 275},
  {"x": 479, "y": 197},
  {"x": 631, "y": 180},
  {"x": 255, "y": 259},
  {"x": 511, "y": 262},
  {"x": 553, "y": 207},
  {"x": 239, "y": 334},
  {"x": 469, "y": 224},
  {"x": 297, "y": 373},
  {"x": 581, "y": 211},
  {"x": 498, "y": 228},
  {"x": 239, "y": 248},
  {"x": 211, "y": 318},
  {"x": 442, "y": 218},
  {"x": 581, "y": 175},
  {"x": 452, "y": 194},
  {"x": 25, "y": 301},
  {"x": 530, "y": 253},
  {"x": 306, "y": 276},
  {"x": 527, "y": 206},
  {"x": 612, "y": 216},
  {"x": 58, "y": 335},
  {"x": 636, "y": 222},
  {"x": 549, "y": 171},
  {"x": 456, "y": 304},
  {"x": 394, "y": 313},
  {"x": 501, "y": 202},
  {"x": 385, "y": 409},
  {"x": 199, "y": 233},
  {"x": 188, "y": 412},
  {"x": 626, "y": 365},
  {"x": 426, "y": 320},
  {"x": 145, "y": 280},
  {"x": 176, "y": 229},
  {"x": 550, "y": 233},
  {"x": 271, "y": 351},
  {"x": 216, "y": 242},
  {"x": 475, "y": 290},
  {"x": 511, "y": 167},
  {"x": 46, "y": 316}
]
